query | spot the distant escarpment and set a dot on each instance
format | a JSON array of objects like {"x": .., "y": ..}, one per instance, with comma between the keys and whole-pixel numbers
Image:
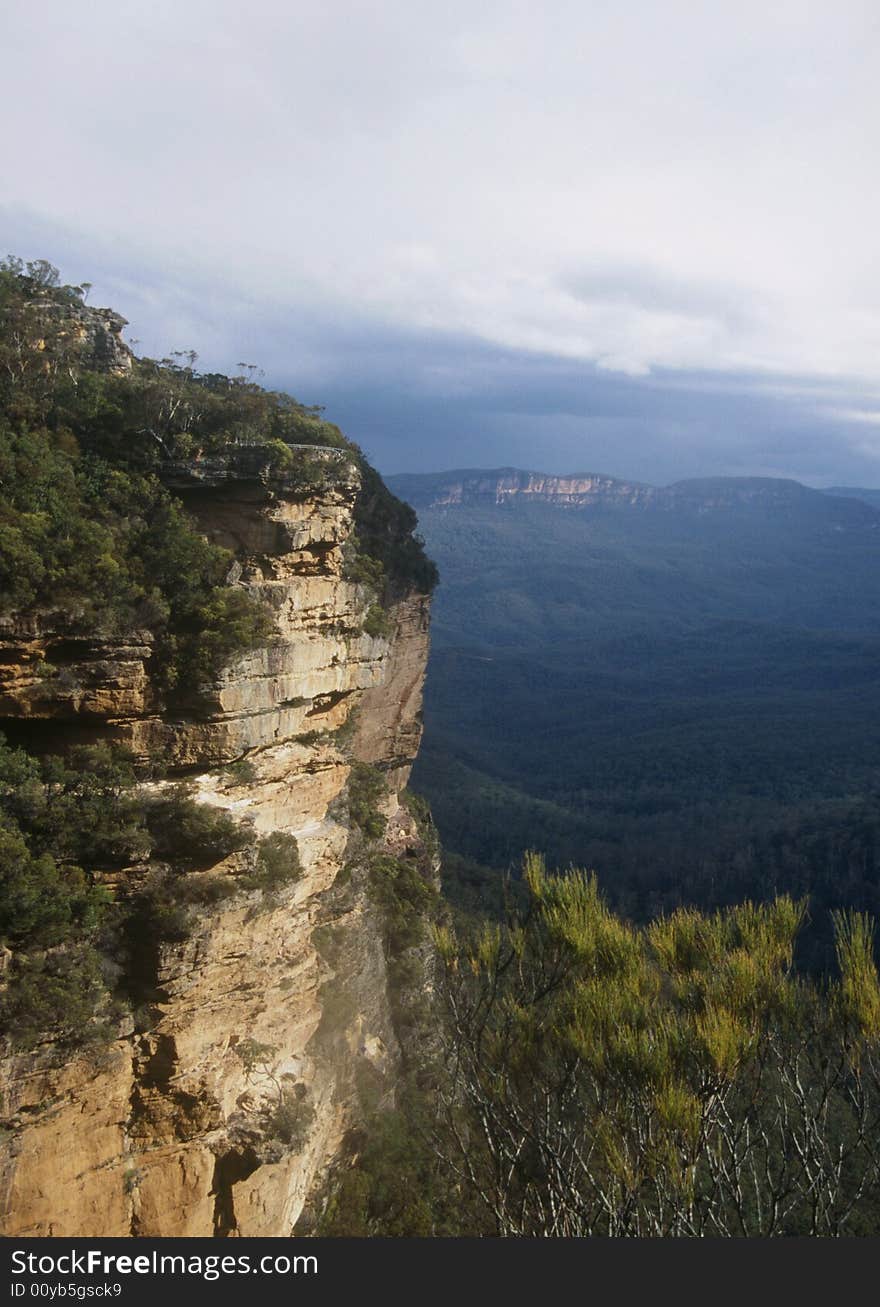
[
  {"x": 501, "y": 487},
  {"x": 506, "y": 485},
  {"x": 211, "y": 701}
]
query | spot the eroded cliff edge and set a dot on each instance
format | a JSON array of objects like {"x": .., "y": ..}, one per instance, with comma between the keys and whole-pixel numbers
[{"x": 220, "y": 1104}]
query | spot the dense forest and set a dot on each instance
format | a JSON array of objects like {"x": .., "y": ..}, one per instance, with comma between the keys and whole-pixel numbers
[{"x": 684, "y": 698}]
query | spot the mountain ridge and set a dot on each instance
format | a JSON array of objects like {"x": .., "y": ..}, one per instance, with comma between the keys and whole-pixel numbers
[{"x": 473, "y": 487}]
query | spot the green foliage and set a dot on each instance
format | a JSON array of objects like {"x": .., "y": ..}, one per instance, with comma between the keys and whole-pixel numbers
[
  {"x": 405, "y": 897},
  {"x": 398, "y": 1187},
  {"x": 242, "y": 771},
  {"x": 114, "y": 550},
  {"x": 63, "y": 821},
  {"x": 254, "y": 1055},
  {"x": 377, "y": 622},
  {"x": 386, "y": 535},
  {"x": 362, "y": 569},
  {"x": 277, "y": 863},
  {"x": 203, "y": 891},
  {"x": 57, "y": 817},
  {"x": 291, "y": 1118},
  {"x": 625, "y": 1081},
  {"x": 366, "y": 789},
  {"x": 41, "y": 903},
  {"x": 193, "y": 835},
  {"x": 55, "y": 993}
]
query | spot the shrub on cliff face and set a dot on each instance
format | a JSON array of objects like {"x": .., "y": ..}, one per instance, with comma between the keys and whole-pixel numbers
[
  {"x": 377, "y": 622},
  {"x": 62, "y": 820},
  {"x": 405, "y": 896},
  {"x": 366, "y": 787},
  {"x": 277, "y": 862},
  {"x": 386, "y": 534},
  {"x": 192, "y": 835},
  {"x": 53, "y": 993},
  {"x": 290, "y": 1120},
  {"x": 55, "y": 820}
]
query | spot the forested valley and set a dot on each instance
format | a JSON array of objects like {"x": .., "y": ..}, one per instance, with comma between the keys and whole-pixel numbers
[{"x": 679, "y": 693}]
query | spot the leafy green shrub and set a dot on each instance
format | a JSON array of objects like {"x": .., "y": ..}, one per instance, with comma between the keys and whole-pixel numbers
[
  {"x": 193, "y": 835},
  {"x": 397, "y": 1187},
  {"x": 344, "y": 734},
  {"x": 157, "y": 914},
  {"x": 290, "y": 1120},
  {"x": 242, "y": 771},
  {"x": 55, "y": 993},
  {"x": 42, "y": 903},
  {"x": 405, "y": 898},
  {"x": 254, "y": 1055},
  {"x": 366, "y": 787},
  {"x": 377, "y": 622},
  {"x": 309, "y": 737},
  {"x": 662, "y": 1061},
  {"x": 277, "y": 862},
  {"x": 361, "y": 568},
  {"x": 228, "y": 623},
  {"x": 386, "y": 536},
  {"x": 203, "y": 891}
]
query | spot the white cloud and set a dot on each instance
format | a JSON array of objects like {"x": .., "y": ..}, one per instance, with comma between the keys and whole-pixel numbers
[{"x": 676, "y": 185}]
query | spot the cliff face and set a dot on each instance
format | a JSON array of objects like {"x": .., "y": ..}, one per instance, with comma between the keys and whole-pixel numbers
[{"x": 219, "y": 1106}]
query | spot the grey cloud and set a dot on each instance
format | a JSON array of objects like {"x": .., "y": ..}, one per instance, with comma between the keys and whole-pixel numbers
[
  {"x": 649, "y": 288},
  {"x": 420, "y": 399}
]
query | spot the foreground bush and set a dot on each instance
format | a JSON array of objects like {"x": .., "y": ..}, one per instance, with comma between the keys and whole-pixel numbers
[{"x": 675, "y": 1080}]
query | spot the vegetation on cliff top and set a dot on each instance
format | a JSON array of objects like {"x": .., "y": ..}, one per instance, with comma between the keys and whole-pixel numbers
[{"x": 86, "y": 526}]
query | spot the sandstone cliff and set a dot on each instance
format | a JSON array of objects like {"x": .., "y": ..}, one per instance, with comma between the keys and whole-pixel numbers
[{"x": 163, "y": 1129}]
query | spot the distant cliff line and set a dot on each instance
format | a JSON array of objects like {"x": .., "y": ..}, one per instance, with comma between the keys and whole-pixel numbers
[{"x": 474, "y": 487}]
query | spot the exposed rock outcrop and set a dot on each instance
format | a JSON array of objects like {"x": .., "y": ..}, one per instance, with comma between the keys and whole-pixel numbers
[{"x": 174, "y": 1127}]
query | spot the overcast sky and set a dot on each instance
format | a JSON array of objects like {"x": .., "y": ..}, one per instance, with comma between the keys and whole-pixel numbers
[{"x": 620, "y": 235}]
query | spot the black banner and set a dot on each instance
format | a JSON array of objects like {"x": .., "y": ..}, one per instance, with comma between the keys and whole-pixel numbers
[{"x": 195, "y": 1271}]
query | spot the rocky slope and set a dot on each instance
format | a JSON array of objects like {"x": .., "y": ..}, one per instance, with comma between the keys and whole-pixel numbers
[{"x": 218, "y": 1106}]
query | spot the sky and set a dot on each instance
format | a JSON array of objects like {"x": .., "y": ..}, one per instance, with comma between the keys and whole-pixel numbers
[{"x": 606, "y": 235}]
